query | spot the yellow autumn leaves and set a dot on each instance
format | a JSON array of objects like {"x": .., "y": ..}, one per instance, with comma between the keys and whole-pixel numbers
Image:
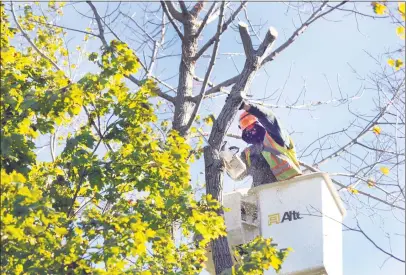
[
  {"x": 370, "y": 182},
  {"x": 352, "y": 190},
  {"x": 384, "y": 170},
  {"x": 400, "y": 31},
  {"x": 380, "y": 8},
  {"x": 398, "y": 63},
  {"x": 259, "y": 254},
  {"x": 376, "y": 130},
  {"x": 401, "y": 9}
]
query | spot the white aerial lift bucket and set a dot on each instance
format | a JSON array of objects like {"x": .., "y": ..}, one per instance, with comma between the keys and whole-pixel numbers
[{"x": 304, "y": 213}]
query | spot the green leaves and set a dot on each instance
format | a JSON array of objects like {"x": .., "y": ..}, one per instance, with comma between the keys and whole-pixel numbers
[
  {"x": 118, "y": 58},
  {"x": 258, "y": 255},
  {"x": 85, "y": 138},
  {"x": 93, "y": 56},
  {"x": 71, "y": 214},
  {"x": 16, "y": 152},
  {"x": 95, "y": 177}
]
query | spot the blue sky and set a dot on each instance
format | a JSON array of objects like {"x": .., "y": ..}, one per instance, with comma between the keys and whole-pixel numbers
[{"x": 323, "y": 52}]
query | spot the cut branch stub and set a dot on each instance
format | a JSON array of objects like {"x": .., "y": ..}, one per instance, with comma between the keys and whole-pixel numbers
[
  {"x": 197, "y": 8},
  {"x": 246, "y": 40},
  {"x": 270, "y": 37}
]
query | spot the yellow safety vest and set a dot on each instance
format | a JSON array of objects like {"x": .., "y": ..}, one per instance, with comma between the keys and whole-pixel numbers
[{"x": 282, "y": 161}]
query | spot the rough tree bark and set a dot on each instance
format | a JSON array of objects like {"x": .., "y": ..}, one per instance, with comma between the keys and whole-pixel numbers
[
  {"x": 213, "y": 164},
  {"x": 184, "y": 104}
]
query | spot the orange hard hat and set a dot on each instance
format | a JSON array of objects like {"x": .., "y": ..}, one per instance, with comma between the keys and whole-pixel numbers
[{"x": 246, "y": 119}]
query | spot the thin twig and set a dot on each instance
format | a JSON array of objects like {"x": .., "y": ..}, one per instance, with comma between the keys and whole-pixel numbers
[
  {"x": 62, "y": 27},
  {"x": 204, "y": 22},
  {"x": 363, "y": 132},
  {"x": 314, "y": 169},
  {"x": 224, "y": 28},
  {"x": 293, "y": 37}
]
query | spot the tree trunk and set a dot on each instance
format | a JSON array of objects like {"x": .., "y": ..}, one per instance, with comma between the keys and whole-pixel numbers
[
  {"x": 214, "y": 173},
  {"x": 183, "y": 105},
  {"x": 213, "y": 164}
]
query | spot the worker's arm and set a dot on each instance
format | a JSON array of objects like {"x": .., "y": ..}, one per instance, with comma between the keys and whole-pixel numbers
[{"x": 267, "y": 118}]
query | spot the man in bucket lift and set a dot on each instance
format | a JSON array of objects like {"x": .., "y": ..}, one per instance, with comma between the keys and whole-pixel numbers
[{"x": 271, "y": 156}]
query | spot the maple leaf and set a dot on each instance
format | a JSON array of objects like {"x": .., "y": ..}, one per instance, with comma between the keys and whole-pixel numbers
[
  {"x": 376, "y": 129},
  {"x": 379, "y": 8},
  {"x": 400, "y": 31},
  {"x": 398, "y": 64},
  {"x": 352, "y": 190},
  {"x": 384, "y": 170},
  {"x": 391, "y": 62}
]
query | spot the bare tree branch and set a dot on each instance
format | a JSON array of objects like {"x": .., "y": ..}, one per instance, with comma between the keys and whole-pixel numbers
[
  {"x": 363, "y": 132},
  {"x": 377, "y": 246},
  {"x": 165, "y": 5},
  {"x": 327, "y": 12},
  {"x": 62, "y": 27},
  {"x": 210, "y": 68},
  {"x": 157, "y": 45},
  {"x": 376, "y": 149},
  {"x": 157, "y": 91},
  {"x": 223, "y": 84},
  {"x": 314, "y": 169},
  {"x": 99, "y": 23},
  {"x": 173, "y": 11},
  {"x": 204, "y": 22},
  {"x": 307, "y": 105},
  {"x": 296, "y": 34},
  {"x": 183, "y": 7},
  {"x": 246, "y": 40},
  {"x": 225, "y": 26},
  {"x": 358, "y": 229},
  {"x": 135, "y": 22}
]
